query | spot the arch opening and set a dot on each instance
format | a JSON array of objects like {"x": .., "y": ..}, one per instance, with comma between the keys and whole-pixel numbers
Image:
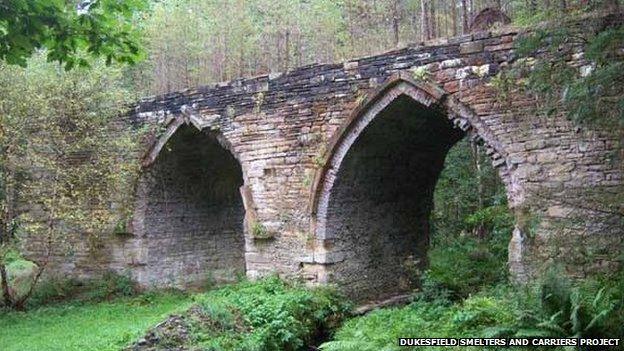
[
  {"x": 380, "y": 202},
  {"x": 193, "y": 214}
]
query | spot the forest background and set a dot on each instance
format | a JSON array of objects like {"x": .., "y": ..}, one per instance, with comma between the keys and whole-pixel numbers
[{"x": 179, "y": 44}]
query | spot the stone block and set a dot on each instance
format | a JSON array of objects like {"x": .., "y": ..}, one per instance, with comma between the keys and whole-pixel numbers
[{"x": 471, "y": 47}]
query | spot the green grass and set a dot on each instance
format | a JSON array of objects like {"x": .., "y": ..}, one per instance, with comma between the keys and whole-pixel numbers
[{"x": 96, "y": 326}]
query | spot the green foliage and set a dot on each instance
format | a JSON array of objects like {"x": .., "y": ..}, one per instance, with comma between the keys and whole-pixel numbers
[
  {"x": 103, "y": 28},
  {"x": 467, "y": 264},
  {"x": 58, "y": 289},
  {"x": 461, "y": 187},
  {"x": 469, "y": 242},
  {"x": 64, "y": 152},
  {"x": 591, "y": 94},
  {"x": 493, "y": 219},
  {"x": 259, "y": 231},
  {"x": 590, "y": 309},
  {"x": 380, "y": 329},
  {"x": 421, "y": 73},
  {"x": 266, "y": 315}
]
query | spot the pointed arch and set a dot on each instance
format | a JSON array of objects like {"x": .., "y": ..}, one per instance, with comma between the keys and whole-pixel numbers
[
  {"x": 426, "y": 94},
  {"x": 371, "y": 201},
  {"x": 191, "y": 206},
  {"x": 190, "y": 117}
]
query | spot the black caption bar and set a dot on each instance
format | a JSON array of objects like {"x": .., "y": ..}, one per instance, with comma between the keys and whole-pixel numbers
[{"x": 508, "y": 342}]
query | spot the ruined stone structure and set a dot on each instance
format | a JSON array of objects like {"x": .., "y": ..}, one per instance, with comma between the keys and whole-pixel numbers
[{"x": 327, "y": 172}]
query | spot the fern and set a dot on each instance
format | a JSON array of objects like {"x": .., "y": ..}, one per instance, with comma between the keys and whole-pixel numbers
[
  {"x": 347, "y": 345},
  {"x": 532, "y": 333}
]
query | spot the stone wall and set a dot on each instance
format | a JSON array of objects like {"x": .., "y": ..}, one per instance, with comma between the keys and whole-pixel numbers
[
  {"x": 189, "y": 217},
  {"x": 322, "y": 148}
]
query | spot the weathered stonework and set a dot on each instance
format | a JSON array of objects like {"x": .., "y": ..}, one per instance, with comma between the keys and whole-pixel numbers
[
  {"x": 338, "y": 163},
  {"x": 188, "y": 222}
]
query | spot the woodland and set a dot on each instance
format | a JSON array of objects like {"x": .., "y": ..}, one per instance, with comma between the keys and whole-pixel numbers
[{"x": 69, "y": 69}]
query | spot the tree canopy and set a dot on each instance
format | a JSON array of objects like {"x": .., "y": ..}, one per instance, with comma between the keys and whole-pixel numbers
[{"x": 68, "y": 31}]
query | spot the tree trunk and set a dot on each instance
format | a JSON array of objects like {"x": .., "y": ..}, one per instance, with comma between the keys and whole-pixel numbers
[
  {"x": 480, "y": 231},
  {"x": 21, "y": 303},
  {"x": 471, "y": 11},
  {"x": 424, "y": 20},
  {"x": 453, "y": 18},
  {"x": 464, "y": 16},
  {"x": 432, "y": 20},
  {"x": 6, "y": 222},
  {"x": 6, "y": 293},
  {"x": 287, "y": 50},
  {"x": 278, "y": 43},
  {"x": 395, "y": 22}
]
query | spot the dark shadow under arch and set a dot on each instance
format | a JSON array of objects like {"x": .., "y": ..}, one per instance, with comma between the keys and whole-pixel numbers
[
  {"x": 192, "y": 212},
  {"x": 372, "y": 201}
]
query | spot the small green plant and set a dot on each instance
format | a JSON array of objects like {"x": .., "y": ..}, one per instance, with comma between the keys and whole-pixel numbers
[
  {"x": 260, "y": 231},
  {"x": 319, "y": 160},
  {"x": 307, "y": 179},
  {"x": 527, "y": 221},
  {"x": 258, "y": 101},
  {"x": 210, "y": 281},
  {"x": 121, "y": 228},
  {"x": 230, "y": 111},
  {"x": 361, "y": 97},
  {"x": 504, "y": 84},
  {"x": 421, "y": 73}
]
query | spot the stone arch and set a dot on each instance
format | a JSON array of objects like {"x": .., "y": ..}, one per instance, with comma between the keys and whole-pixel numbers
[
  {"x": 401, "y": 183},
  {"x": 189, "y": 217}
]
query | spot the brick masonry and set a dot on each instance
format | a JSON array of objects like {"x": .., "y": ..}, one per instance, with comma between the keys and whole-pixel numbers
[{"x": 336, "y": 165}]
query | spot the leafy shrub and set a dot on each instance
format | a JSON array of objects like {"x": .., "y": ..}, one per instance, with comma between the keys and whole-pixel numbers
[
  {"x": 269, "y": 314},
  {"x": 465, "y": 264},
  {"x": 110, "y": 285},
  {"x": 380, "y": 329},
  {"x": 588, "y": 95},
  {"x": 594, "y": 308},
  {"x": 464, "y": 267},
  {"x": 55, "y": 289}
]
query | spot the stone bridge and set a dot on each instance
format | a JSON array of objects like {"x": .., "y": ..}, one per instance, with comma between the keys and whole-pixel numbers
[{"x": 327, "y": 172}]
